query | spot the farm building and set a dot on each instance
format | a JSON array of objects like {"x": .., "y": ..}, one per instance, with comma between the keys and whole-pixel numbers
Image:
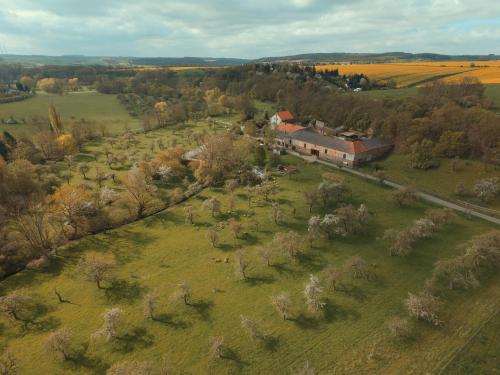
[
  {"x": 280, "y": 117},
  {"x": 348, "y": 149}
]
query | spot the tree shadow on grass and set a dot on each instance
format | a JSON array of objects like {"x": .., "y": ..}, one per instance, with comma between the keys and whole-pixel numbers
[
  {"x": 270, "y": 343},
  {"x": 226, "y": 247},
  {"x": 202, "y": 308},
  {"x": 171, "y": 321},
  {"x": 232, "y": 355},
  {"x": 80, "y": 360},
  {"x": 312, "y": 262},
  {"x": 305, "y": 322},
  {"x": 353, "y": 291},
  {"x": 139, "y": 337},
  {"x": 284, "y": 268},
  {"x": 250, "y": 239},
  {"x": 256, "y": 280},
  {"x": 332, "y": 312},
  {"x": 123, "y": 290}
]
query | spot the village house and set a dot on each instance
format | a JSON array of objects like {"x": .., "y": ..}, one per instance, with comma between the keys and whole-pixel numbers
[
  {"x": 281, "y": 117},
  {"x": 348, "y": 148}
]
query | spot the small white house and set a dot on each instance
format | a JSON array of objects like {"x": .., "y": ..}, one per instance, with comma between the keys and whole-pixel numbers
[{"x": 280, "y": 117}]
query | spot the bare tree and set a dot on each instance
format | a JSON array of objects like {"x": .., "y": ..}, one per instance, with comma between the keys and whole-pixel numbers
[
  {"x": 266, "y": 253},
  {"x": 213, "y": 236},
  {"x": 216, "y": 347},
  {"x": 189, "y": 214},
  {"x": 83, "y": 168},
  {"x": 312, "y": 293},
  {"x": 312, "y": 198},
  {"x": 183, "y": 293},
  {"x": 60, "y": 342},
  {"x": 95, "y": 269},
  {"x": 109, "y": 330},
  {"x": 282, "y": 303},
  {"x": 423, "y": 306},
  {"x": 235, "y": 227},
  {"x": 150, "y": 302},
  {"x": 332, "y": 276},
  {"x": 400, "y": 242},
  {"x": 277, "y": 213},
  {"x": 289, "y": 243},
  {"x": 405, "y": 196},
  {"x": 251, "y": 327},
  {"x": 240, "y": 265},
  {"x": 231, "y": 203},
  {"x": 213, "y": 205},
  {"x": 358, "y": 268}
]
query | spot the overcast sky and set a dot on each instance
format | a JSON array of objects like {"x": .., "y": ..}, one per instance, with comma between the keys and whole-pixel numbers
[{"x": 247, "y": 28}]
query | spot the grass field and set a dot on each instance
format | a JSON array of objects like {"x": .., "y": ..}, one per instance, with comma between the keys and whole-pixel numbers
[
  {"x": 442, "y": 180},
  {"x": 413, "y": 74},
  {"x": 157, "y": 253},
  {"x": 90, "y": 105},
  {"x": 481, "y": 355}
]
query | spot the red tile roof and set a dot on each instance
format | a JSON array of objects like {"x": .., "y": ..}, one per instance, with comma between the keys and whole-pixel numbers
[
  {"x": 286, "y": 127},
  {"x": 285, "y": 116}
]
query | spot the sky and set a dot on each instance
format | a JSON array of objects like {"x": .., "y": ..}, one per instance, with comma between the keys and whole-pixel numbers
[{"x": 247, "y": 28}]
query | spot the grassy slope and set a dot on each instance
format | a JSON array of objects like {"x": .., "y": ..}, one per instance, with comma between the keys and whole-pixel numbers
[
  {"x": 441, "y": 180},
  {"x": 159, "y": 252},
  {"x": 86, "y": 104}
]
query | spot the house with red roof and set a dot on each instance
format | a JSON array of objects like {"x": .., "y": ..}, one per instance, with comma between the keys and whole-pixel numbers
[{"x": 280, "y": 117}]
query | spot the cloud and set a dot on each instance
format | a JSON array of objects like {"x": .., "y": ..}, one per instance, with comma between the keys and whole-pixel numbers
[{"x": 247, "y": 28}]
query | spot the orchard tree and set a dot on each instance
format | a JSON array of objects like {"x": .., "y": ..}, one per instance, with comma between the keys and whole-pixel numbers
[
  {"x": 405, "y": 196},
  {"x": 282, "y": 302},
  {"x": 400, "y": 242},
  {"x": 266, "y": 254},
  {"x": 60, "y": 342},
  {"x": 109, "y": 330},
  {"x": 150, "y": 303},
  {"x": 213, "y": 236},
  {"x": 312, "y": 293},
  {"x": 424, "y": 306},
  {"x": 183, "y": 293},
  {"x": 312, "y": 198},
  {"x": 313, "y": 229},
  {"x": 332, "y": 276},
  {"x": 240, "y": 265},
  {"x": 306, "y": 369},
  {"x": 290, "y": 243},
  {"x": 359, "y": 268},
  {"x": 235, "y": 227},
  {"x": 276, "y": 213},
  {"x": 189, "y": 214},
  {"x": 487, "y": 189},
  {"x": 216, "y": 347},
  {"x": 213, "y": 205},
  {"x": 16, "y": 304},
  {"x": 252, "y": 328},
  {"x": 83, "y": 168},
  {"x": 95, "y": 269}
]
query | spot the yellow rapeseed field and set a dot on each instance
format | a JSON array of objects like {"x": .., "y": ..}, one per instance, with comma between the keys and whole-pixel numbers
[{"x": 415, "y": 73}]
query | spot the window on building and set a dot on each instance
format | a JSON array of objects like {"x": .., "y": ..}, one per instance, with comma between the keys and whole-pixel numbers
[
  {"x": 304, "y": 145},
  {"x": 344, "y": 156},
  {"x": 326, "y": 151}
]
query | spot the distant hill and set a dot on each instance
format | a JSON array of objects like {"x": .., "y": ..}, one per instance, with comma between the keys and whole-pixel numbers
[
  {"x": 311, "y": 58},
  {"x": 376, "y": 57}
]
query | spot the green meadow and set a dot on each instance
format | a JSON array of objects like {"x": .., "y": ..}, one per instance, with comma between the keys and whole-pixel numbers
[
  {"x": 155, "y": 254},
  {"x": 90, "y": 105}
]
